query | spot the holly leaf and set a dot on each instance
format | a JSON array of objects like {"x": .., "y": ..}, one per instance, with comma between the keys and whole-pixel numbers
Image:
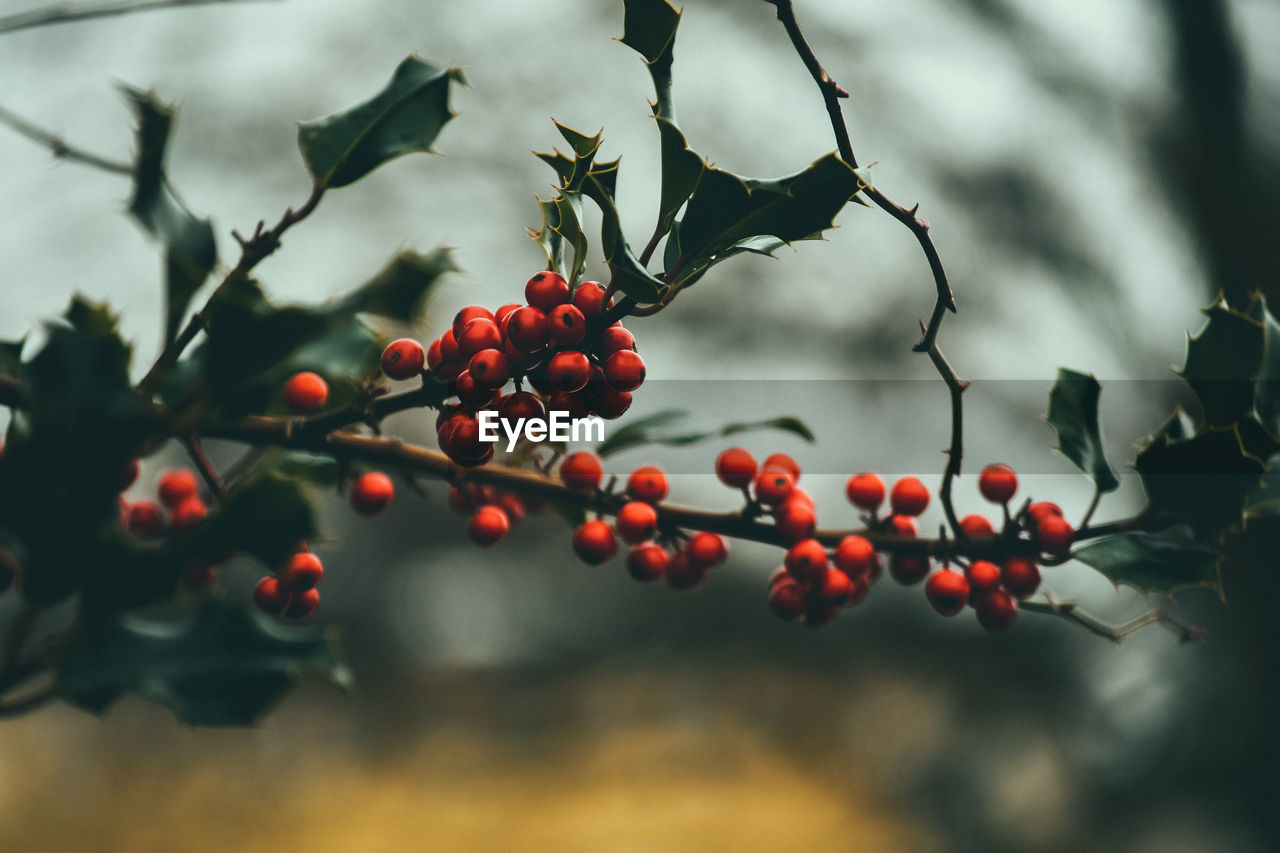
[
  {"x": 405, "y": 116},
  {"x": 1203, "y": 480},
  {"x": 562, "y": 215},
  {"x": 649, "y": 28},
  {"x": 1073, "y": 413},
  {"x": 627, "y": 272},
  {"x": 400, "y": 288},
  {"x": 1153, "y": 562},
  {"x": 1222, "y": 362},
  {"x": 266, "y": 516},
  {"x": 222, "y": 666},
  {"x": 190, "y": 250},
  {"x": 658, "y": 428}
]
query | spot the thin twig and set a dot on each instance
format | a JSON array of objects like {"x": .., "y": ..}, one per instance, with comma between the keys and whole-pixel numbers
[
  {"x": 65, "y": 13},
  {"x": 252, "y": 250},
  {"x": 196, "y": 451},
  {"x": 1116, "y": 633},
  {"x": 58, "y": 147},
  {"x": 831, "y": 95},
  {"x": 1093, "y": 507},
  {"x": 955, "y": 453}
]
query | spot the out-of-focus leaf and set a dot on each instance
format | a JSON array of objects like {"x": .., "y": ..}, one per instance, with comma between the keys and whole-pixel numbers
[
  {"x": 223, "y": 666},
  {"x": 1153, "y": 562},
  {"x": 267, "y": 516},
  {"x": 190, "y": 249},
  {"x": 400, "y": 289},
  {"x": 659, "y": 428},
  {"x": 1073, "y": 412},
  {"x": 1266, "y": 396},
  {"x": 405, "y": 116},
  {"x": 1204, "y": 480},
  {"x": 1222, "y": 362}
]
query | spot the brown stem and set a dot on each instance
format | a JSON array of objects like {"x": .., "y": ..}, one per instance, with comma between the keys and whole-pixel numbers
[
  {"x": 196, "y": 451},
  {"x": 1115, "y": 633},
  {"x": 831, "y": 95},
  {"x": 252, "y": 250}
]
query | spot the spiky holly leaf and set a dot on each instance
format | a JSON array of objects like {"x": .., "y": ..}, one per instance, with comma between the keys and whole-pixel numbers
[
  {"x": 660, "y": 428},
  {"x": 1222, "y": 362},
  {"x": 1073, "y": 413},
  {"x": 190, "y": 250},
  {"x": 1153, "y": 562},
  {"x": 1203, "y": 480},
  {"x": 400, "y": 288},
  {"x": 406, "y": 116},
  {"x": 222, "y": 666},
  {"x": 562, "y": 215},
  {"x": 649, "y": 28},
  {"x": 628, "y": 273}
]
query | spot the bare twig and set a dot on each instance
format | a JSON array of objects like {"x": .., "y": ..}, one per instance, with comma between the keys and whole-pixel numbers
[
  {"x": 58, "y": 147},
  {"x": 66, "y": 13},
  {"x": 955, "y": 452},
  {"x": 196, "y": 451},
  {"x": 831, "y": 95},
  {"x": 1115, "y": 633}
]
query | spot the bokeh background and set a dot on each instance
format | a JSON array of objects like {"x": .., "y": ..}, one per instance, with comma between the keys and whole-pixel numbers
[{"x": 1094, "y": 172}]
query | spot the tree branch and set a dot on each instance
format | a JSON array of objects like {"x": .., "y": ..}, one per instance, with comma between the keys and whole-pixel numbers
[
  {"x": 1115, "y": 633},
  {"x": 57, "y": 146},
  {"x": 65, "y": 13},
  {"x": 955, "y": 453}
]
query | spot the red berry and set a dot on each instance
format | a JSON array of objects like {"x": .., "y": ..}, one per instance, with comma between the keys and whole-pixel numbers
[
  {"x": 512, "y": 505},
  {"x": 836, "y": 589},
  {"x": 466, "y": 315},
  {"x": 568, "y": 371},
  {"x": 571, "y": 404},
  {"x": 449, "y": 346},
  {"x": 782, "y": 462},
  {"x": 807, "y": 561},
  {"x": 144, "y": 519},
  {"x": 983, "y": 577},
  {"x": 488, "y": 368},
  {"x": 865, "y": 491},
  {"x": 1054, "y": 534},
  {"x": 566, "y": 325},
  {"x": 403, "y": 359},
  {"x": 647, "y": 484},
  {"x": 471, "y": 393},
  {"x": 611, "y": 404},
  {"x": 1020, "y": 576},
  {"x": 647, "y": 562},
  {"x": 997, "y": 483},
  {"x": 478, "y": 334},
  {"x": 795, "y": 517},
  {"x": 624, "y": 370},
  {"x": 706, "y": 550},
  {"x": 371, "y": 493},
  {"x": 305, "y": 393},
  {"x": 269, "y": 597},
  {"x": 637, "y": 521},
  {"x": 908, "y": 570},
  {"x": 947, "y": 591},
  {"x": 682, "y": 574},
  {"x": 128, "y": 475},
  {"x": 976, "y": 527},
  {"x": 787, "y": 600},
  {"x": 519, "y": 405},
  {"x": 503, "y": 314},
  {"x": 546, "y": 290},
  {"x": 581, "y": 471},
  {"x": 589, "y": 298},
  {"x": 434, "y": 356},
  {"x": 1041, "y": 510},
  {"x": 302, "y": 572},
  {"x": 855, "y": 556},
  {"x": 527, "y": 329},
  {"x": 303, "y": 604},
  {"x": 189, "y": 513},
  {"x": 902, "y": 526},
  {"x": 594, "y": 542},
  {"x": 488, "y": 525},
  {"x": 773, "y": 487},
  {"x": 460, "y": 501},
  {"x": 614, "y": 339},
  {"x": 996, "y": 610},
  {"x": 176, "y": 485},
  {"x": 736, "y": 467},
  {"x": 909, "y": 496}
]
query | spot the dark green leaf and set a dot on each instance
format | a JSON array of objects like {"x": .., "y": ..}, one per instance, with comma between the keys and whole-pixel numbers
[
  {"x": 405, "y": 116},
  {"x": 649, "y": 28},
  {"x": 1266, "y": 397},
  {"x": 223, "y": 666},
  {"x": 681, "y": 169},
  {"x": 657, "y": 429},
  {"x": 190, "y": 249},
  {"x": 399, "y": 290},
  {"x": 1222, "y": 362},
  {"x": 266, "y": 516},
  {"x": 627, "y": 272},
  {"x": 317, "y": 470},
  {"x": 1073, "y": 412},
  {"x": 1203, "y": 480},
  {"x": 1153, "y": 562}
]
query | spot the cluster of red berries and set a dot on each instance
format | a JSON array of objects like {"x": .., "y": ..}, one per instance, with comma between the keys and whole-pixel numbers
[
  {"x": 655, "y": 553},
  {"x": 291, "y": 591},
  {"x": 491, "y": 512},
  {"x": 177, "y": 491}
]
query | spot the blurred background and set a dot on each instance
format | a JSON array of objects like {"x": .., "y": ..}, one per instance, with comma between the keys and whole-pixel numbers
[{"x": 1094, "y": 173}]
